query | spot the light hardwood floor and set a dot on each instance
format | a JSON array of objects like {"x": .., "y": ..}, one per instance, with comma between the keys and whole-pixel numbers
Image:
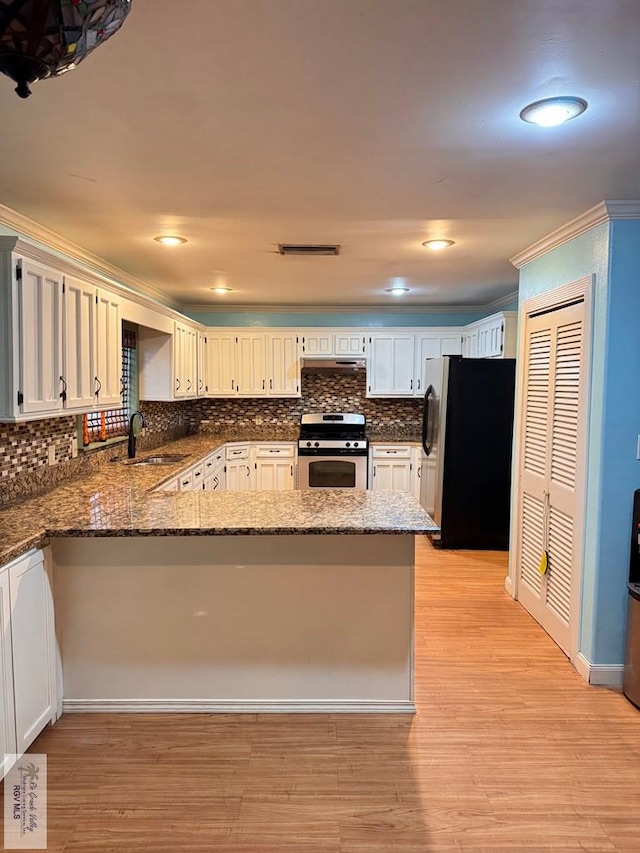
[{"x": 509, "y": 751}]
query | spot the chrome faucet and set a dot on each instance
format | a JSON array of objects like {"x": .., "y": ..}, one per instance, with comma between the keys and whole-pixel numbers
[{"x": 136, "y": 423}]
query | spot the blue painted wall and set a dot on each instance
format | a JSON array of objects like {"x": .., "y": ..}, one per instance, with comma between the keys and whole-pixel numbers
[
  {"x": 301, "y": 319},
  {"x": 611, "y": 253}
]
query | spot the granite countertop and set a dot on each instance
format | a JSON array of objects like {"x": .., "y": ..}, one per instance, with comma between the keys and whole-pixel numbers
[{"x": 118, "y": 500}]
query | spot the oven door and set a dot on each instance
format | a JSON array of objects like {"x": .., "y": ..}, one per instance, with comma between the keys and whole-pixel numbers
[{"x": 332, "y": 472}]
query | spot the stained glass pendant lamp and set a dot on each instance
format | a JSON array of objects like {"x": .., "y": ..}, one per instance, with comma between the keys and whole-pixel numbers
[{"x": 46, "y": 38}]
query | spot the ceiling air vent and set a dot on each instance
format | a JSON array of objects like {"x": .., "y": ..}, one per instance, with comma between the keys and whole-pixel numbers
[{"x": 309, "y": 249}]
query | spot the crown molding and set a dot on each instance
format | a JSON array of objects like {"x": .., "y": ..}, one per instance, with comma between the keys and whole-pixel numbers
[
  {"x": 606, "y": 211},
  {"x": 53, "y": 242},
  {"x": 498, "y": 304},
  {"x": 342, "y": 309}
]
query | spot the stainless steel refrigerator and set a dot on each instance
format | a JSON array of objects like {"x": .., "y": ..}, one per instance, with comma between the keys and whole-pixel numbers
[{"x": 467, "y": 435}]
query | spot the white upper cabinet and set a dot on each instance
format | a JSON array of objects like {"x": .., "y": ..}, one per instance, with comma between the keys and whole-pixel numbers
[
  {"x": 318, "y": 343},
  {"x": 108, "y": 376},
  {"x": 168, "y": 363},
  {"x": 433, "y": 344},
  {"x": 390, "y": 365},
  {"x": 491, "y": 337},
  {"x": 61, "y": 341},
  {"x": 203, "y": 365},
  {"x": 322, "y": 343},
  {"x": 185, "y": 357},
  {"x": 253, "y": 364},
  {"x": 221, "y": 361},
  {"x": 251, "y": 367},
  {"x": 283, "y": 365},
  {"x": 79, "y": 324},
  {"x": 38, "y": 312},
  {"x": 349, "y": 343}
]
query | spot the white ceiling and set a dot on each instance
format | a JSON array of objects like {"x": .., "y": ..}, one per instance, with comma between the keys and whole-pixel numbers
[{"x": 376, "y": 124}]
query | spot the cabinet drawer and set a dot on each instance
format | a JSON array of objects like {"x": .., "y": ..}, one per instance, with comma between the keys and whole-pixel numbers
[
  {"x": 382, "y": 452},
  {"x": 197, "y": 475},
  {"x": 186, "y": 481},
  {"x": 212, "y": 460},
  {"x": 234, "y": 453},
  {"x": 267, "y": 451}
]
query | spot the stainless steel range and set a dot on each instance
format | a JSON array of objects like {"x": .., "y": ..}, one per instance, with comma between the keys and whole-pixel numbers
[{"x": 332, "y": 451}]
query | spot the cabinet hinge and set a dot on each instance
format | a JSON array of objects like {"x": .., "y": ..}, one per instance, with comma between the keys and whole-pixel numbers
[
  {"x": 96, "y": 298},
  {"x": 236, "y": 340},
  {"x": 225, "y": 469},
  {"x": 297, "y": 341},
  {"x": 64, "y": 287},
  {"x": 19, "y": 271},
  {"x": 20, "y": 398},
  {"x": 255, "y": 465}
]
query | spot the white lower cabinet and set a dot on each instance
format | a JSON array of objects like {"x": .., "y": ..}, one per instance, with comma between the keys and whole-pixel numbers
[
  {"x": 274, "y": 466},
  {"x": 28, "y": 652},
  {"x": 7, "y": 709},
  {"x": 391, "y": 467},
  {"x": 238, "y": 468}
]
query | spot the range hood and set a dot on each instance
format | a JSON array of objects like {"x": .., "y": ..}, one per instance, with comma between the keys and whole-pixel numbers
[{"x": 333, "y": 365}]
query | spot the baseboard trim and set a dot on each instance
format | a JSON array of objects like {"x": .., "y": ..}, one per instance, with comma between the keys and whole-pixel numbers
[
  {"x": 601, "y": 674},
  {"x": 208, "y": 706},
  {"x": 508, "y": 585}
]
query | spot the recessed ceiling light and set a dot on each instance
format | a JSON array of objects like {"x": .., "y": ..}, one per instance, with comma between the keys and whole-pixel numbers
[
  {"x": 222, "y": 289},
  {"x": 551, "y": 112},
  {"x": 437, "y": 245},
  {"x": 397, "y": 291},
  {"x": 170, "y": 240}
]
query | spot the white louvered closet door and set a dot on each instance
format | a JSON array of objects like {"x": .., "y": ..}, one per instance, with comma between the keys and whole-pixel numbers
[{"x": 551, "y": 475}]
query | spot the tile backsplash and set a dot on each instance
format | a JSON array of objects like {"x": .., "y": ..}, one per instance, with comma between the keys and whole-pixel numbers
[
  {"x": 321, "y": 392},
  {"x": 24, "y": 448}
]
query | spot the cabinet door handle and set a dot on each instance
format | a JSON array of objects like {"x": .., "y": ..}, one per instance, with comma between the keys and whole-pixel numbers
[
  {"x": 63, "y": 393},
  {"x": 197, "y": 474},
  {"x": 374, "y": 470},
  {"x": 264, "y": 384},
  {"x": 271, "y": 384},
  {"x": 178, "y": 384},
  {"x": 185, "y": 482},
  {"x": 419, "y": 473},
  {"x": 233, "y": 385},
  {"x": 209, "y": 464},
  {"x": 248, "y": 471},
  {"x": 188, "y": 385},
  {"x": 99, "y": 384},
  {"x": 274, "y": 451}
]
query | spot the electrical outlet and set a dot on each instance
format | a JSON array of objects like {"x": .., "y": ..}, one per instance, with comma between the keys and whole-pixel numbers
[
  {"x": 258, "y": 420},
  {"x": 51, "y": 454}
]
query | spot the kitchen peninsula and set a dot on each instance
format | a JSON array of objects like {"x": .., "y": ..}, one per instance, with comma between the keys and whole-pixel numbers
[{"x": 248, "y": 601}]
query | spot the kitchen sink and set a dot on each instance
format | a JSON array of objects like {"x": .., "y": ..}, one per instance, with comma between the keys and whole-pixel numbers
[{"x": 169, "y": 459}]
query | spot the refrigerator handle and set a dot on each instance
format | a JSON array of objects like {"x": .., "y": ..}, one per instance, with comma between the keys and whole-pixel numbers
[{"x": 428, "y": 419}]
